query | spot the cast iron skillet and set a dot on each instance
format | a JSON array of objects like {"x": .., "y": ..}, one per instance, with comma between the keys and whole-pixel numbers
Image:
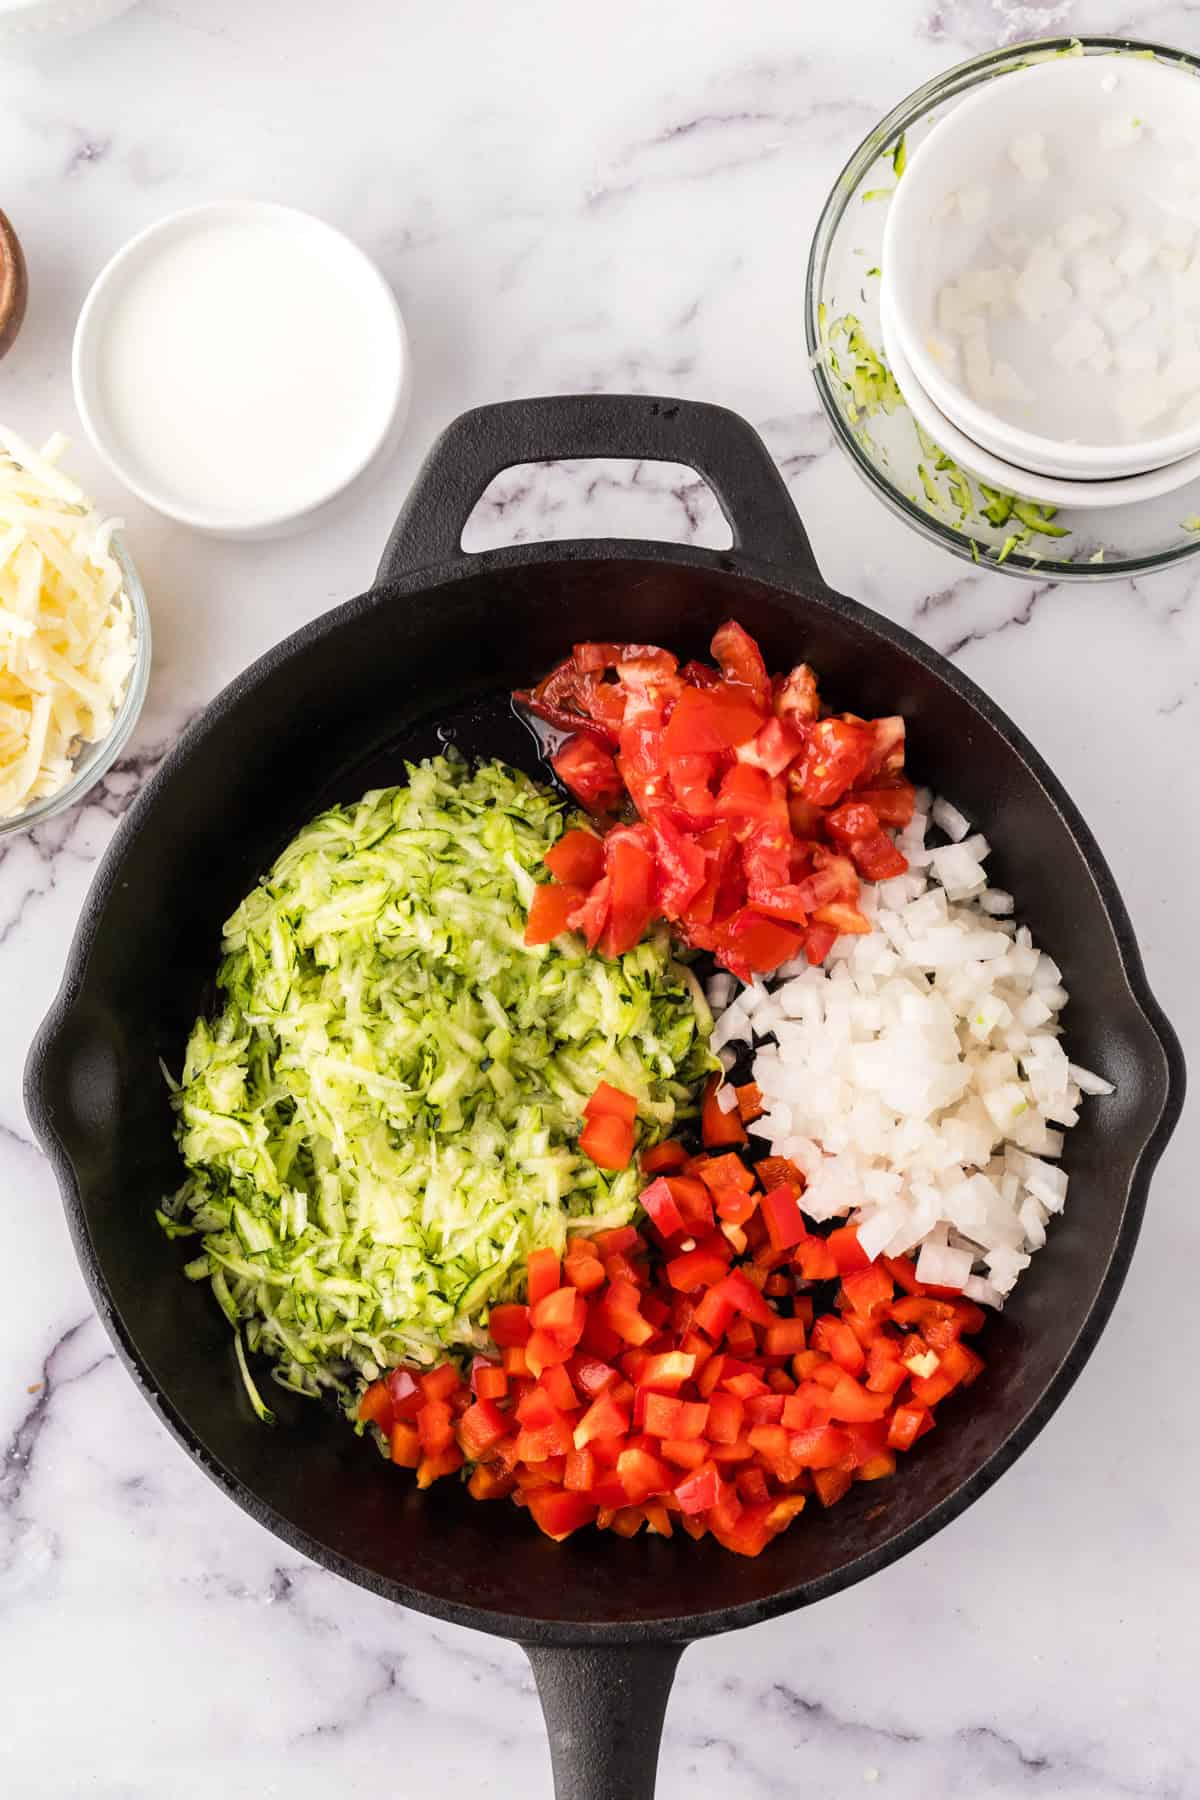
[{"x": 432, "y": 651}]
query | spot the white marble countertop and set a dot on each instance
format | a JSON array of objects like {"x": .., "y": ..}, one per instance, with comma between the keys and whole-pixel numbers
[{"x": 573, "y": 198}]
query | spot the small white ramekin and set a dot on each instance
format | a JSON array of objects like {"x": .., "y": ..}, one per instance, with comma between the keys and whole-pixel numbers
[
  {"x": 959, "y": 150},
  {"x": 99, "y": 309}
]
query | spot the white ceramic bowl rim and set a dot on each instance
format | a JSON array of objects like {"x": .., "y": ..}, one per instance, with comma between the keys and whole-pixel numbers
[
  {"x": 1053, "y": 490},
  {"x": 83, "y": 366},
  {"x": 1109, "y": 461}
]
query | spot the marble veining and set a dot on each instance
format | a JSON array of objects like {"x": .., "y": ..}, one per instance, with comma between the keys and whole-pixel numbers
[{"x": 566, "y": 199}]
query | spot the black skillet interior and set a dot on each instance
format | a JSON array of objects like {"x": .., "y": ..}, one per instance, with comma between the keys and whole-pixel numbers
[{"x": 431, "y": 653}]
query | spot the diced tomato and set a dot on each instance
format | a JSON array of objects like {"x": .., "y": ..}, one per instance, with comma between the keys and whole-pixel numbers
[
  {"x": 549, "y": 911},
  {"x": 773, "y": 747},
  {"x": 740, "y": 661},
  {"x": 836, "y": 753},
  {"x": 893, "y": 804},
  {"x": 590, "y": 773},
  {"x": 757, "y": 945},
  {"x": 716, "y": 1127},
  {"x": 818, "y": 942},
  {"x": 608, "y": 1140},
  {"x": 680, "y": 868},
  {"x": 629, "y": 860},
  {"x": 748, "y": 796},
  {"x": 591, "y": 915},
  {"x": 577, "y": 858},
  {"x": 708, "y": 720},
  {"x": 795, "y": 696},
  {"x": 692, "y": 778}
]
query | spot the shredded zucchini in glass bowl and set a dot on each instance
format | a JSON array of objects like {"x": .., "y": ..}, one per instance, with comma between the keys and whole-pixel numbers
[{"x": 912, "y": 476}]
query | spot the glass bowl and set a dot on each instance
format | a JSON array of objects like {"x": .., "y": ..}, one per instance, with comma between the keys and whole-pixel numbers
[
  {"x": 938, "y": 497},
  {"x": 95, "y": 760}
]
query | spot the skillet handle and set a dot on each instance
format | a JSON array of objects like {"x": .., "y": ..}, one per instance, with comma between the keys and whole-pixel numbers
[
  {"x": 479, "y": 445},
  {"x": 604, "y": 1707}
]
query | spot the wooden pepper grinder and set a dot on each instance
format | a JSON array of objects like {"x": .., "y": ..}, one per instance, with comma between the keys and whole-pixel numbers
[{"x": 14, "y": 285}]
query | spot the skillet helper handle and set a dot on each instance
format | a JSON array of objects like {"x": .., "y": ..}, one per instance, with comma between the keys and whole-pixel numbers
[
  {"x": 604, "y": 1706},
  {"x": 719, "y": 445}
]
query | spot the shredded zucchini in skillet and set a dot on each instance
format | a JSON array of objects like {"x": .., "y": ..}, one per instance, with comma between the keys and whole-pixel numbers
[{"x": 380, "y": 1123}]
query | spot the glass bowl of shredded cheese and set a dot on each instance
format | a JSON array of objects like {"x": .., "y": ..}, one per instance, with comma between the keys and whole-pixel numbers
[{"x": 74, "y": 637}]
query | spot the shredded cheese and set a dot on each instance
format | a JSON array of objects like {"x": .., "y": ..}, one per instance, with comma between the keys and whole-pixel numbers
[{"x": 67, "y": 641}]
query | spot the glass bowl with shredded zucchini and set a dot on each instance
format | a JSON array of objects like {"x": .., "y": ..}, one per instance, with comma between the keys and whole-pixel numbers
[{"x": 914, "y": 477}]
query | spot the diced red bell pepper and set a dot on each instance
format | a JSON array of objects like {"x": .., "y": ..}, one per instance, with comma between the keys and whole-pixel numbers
[
  {"x": 608, "y": 1101},
  {"x": 740, "y": 1291},
  {"x": 488, "y": 1380},
  {"x": 662, "y": 1209},
  {"x": 558, "y": 1512},
  {"x": 480, "y": 1428},
  {"x": 701, "y": 1490},
  {"x": 663, "y": 1158},
  {"x": 718, "y": 1128},
  {"x": 847, "y": 1252},
  {"x": 725, "y": 1417},
  {"x": 782, "y": 1217},
  {"x": 908, "y": 1423},
  {"x": 608, "y": 1141},
  {"x": 577, "y": 859},
  {"x": 375, "y": 1406},
  {"x": 667, "y": 1370},
  {"x": 700, "y": 1267},
  {"x": 694, "y": 1203},
  {"x": 509, "y": 1324},
  {"x": 852, "y": 1404},
  {"x": 404, "y": 1443},
  {"x": 542, "y": 1274}
]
